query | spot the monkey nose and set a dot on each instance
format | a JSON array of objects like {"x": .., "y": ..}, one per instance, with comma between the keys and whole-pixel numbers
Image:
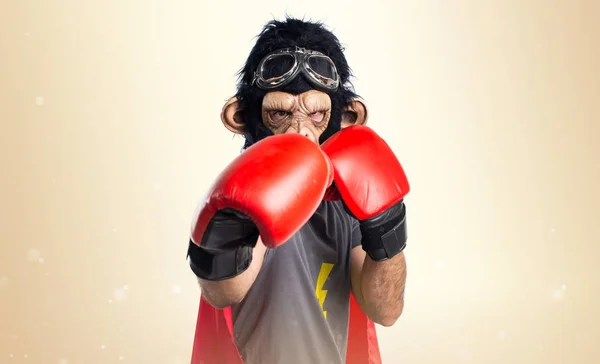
[{"x": 304, "y": 131}]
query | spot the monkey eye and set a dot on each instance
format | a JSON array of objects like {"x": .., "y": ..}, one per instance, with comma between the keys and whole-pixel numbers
[
  {"x": 278, "y": 115},
  {"x": 317, "y": 116}
]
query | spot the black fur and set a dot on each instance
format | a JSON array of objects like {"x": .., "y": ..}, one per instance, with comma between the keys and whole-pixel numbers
[{"x": 285, "y": 34}]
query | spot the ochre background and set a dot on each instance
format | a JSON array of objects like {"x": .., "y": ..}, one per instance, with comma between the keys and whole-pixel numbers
[{"x": 110, "y": 135}]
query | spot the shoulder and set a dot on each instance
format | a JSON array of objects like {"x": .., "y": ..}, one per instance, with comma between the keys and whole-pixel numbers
[
  {"x": 342, "y": 212},
  {"x": 336, "y": 217},
  {"x": 337, "y": 209},
  {"x": 347, "y": 225}
]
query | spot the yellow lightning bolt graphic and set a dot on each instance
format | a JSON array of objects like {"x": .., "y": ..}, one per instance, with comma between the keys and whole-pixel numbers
[{"x": 321, "y": 279}]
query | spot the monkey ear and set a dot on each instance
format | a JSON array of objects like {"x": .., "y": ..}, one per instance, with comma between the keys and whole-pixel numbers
[
  {"x": 356, "y": 113},
  {"x": 232, "y": 116}
]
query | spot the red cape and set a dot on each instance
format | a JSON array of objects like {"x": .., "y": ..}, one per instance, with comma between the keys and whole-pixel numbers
[{"x": 214, "y": 343}]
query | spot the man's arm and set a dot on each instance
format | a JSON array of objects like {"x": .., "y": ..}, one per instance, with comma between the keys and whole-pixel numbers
[
  {"x": 373, "y": 194},
  {"x": 224, "y": 293},
  {"x": 260, "y": 200},
  {"x": 378, "y": 286}
]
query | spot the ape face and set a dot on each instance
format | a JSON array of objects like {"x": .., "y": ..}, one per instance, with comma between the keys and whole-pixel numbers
[
  {"x": 307, "y": 113},
  {"x": 296, "y": 80}
]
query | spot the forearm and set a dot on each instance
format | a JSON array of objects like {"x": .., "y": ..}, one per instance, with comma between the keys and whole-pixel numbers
[
  {"x": 382, "y": 288},
  {"x": 224, "y": 293}
]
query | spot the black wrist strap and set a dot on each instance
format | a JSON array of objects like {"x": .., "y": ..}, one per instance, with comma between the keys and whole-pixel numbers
[
  {"x": 226, "y": 247},
  {"x": 216, "y": 266},
  {"x": 384, "y": 236}
]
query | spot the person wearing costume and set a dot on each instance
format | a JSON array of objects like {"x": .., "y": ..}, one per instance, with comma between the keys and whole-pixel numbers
[{"x": 299, "y": 244}]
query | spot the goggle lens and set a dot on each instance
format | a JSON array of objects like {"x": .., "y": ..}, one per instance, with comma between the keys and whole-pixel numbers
[
  {"x": 322, "y": 66},
  {"x": 281, "y": 67},
  {"x": 277, "y": 66}
]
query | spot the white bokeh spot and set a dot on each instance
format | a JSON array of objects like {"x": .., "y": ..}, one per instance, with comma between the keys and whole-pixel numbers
[
  {"x": 34, "y": 255},
  {"x": 438, "y": 265},
  {"x": 119, "y": 294},
  {"x": 39, "y": 101},
  {"x": 3, "y": 282},
  {"x": 63, "y": 361},
  {"x": 558, "y": 293},
  {"x": 464, "y": 355},
  {"x": 176, "y": 289},
  {"x": 501, "y": 335}
]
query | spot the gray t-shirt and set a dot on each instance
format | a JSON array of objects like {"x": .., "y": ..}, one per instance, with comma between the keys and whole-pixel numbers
[{"x": 297, "y": 311}]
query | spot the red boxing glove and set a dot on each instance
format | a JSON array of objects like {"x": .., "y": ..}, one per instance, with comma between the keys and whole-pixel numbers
[
  {"x": 372, "y": 184},
  {"x": 272, "y": 189}
]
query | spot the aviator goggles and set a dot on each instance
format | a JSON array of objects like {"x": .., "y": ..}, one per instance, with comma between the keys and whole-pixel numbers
[{"x": 281, "y": 67}]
